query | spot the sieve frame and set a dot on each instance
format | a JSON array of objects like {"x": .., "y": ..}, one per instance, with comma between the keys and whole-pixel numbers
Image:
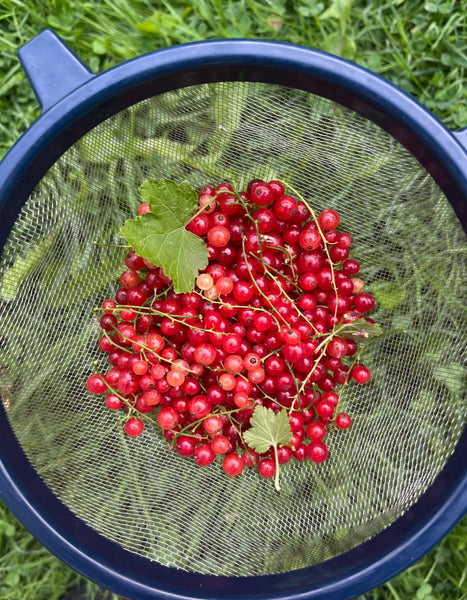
[{"x": 75, "y": 105}]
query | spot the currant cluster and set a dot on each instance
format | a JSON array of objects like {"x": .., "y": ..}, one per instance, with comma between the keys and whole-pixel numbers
[{"x": 265, "y": 325}]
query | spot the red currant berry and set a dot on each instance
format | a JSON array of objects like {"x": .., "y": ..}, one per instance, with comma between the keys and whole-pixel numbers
[
  {"x": 309, "y": 239},
  {"x": 285, "y": 208},
  {"x": 129, "y": 383},
  {"x": 168, "y": 418},
  {"x": 219, "y": 236},
  {"x": 267, "y": 468},
  {"x": 343, "y": 421},
  {"x": 113, "y": 402},
  {"x": 220, "y": 444},
  {"x": 199, "y": 406},
  {"x": 364, "y": 302},
  {"x": 328, "y": 219},
  {"x": 205, "y": 354},
  {"x": 134, "y": 427},
  {"x": 134, "y": 262},
  {"x": 129, "y": 279},
  {"x": 316, "y": 431},
  {"x": 360, "y": 373},
  {"x": 261, "y": 194},
  {"x": 96, "y": 384},
  {"x": 213, "y": 425},
  {"x": 143, "y": 208},
  {"x": 350, "y": 267},
  {"x": 337, "y": 347},
  {"x": 233, "y": 464},
  {"x": 204, "y": 455},
  {"x": 277, "y": 188},
  {"x": 317, "y": 451},
  {"x": 185, "y": 445}
]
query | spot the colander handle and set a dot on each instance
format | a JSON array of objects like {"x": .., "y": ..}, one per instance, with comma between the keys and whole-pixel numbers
[
  {"x": 52, "y": 68},
  {"x": 461, "y": 136}
]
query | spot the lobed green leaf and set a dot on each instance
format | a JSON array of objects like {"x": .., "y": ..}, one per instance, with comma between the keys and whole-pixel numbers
[
  {"x": 360, "y": 329},
  {"x": 160, "y": 236},
  {"x": 268, "y": 429}
]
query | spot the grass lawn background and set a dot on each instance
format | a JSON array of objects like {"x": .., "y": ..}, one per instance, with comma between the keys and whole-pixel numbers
[{"x": 419, "y": 46}]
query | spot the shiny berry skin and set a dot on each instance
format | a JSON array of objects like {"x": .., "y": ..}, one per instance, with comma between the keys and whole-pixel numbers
[
  {"x": 152, "y": 397},
  {"x": 360, "y": 373},
  {"x": 134, "y": 427},
  {"x": 251, "y": 361},
  {"x": 241, "y": 400},
  {"x": 338, "y": 254},
  {"x": 285, "y": 208},
  {"x": 213, "y": 425},
  {"x": 185, "y": 445},
  {"x": 205, "y": 354},
  {"x": 256, "y": 375},
  {"x": 128, "y": 383},
  {"x": 168, "y": 418},
  {"x": 227, "y": 381},
  {"x": 350, "y": 267},
  {"x": 113, "y": 402},
  {"x": 143, "y": 208},
  {"x": 243, "y": 291},
  {"x": 262, "y": 321},
  {"x": 199, "y": 225},
  {"x": 250, "y": 457},
  {"x": 364, "y": 302},
  {"x": 220, "y": 444},
  {"x": 199, "y": 406},
  {"x": 96, "y": 385},
  {"x": 261, "y": 194},
  {"x": 204, "y": 455},
  {"x": 300, "y": 453},
  {"x": 277, "y": 188},
  {"x": 324, "y": 409},
  {"x": 284, "y": 454},
  {"x": 233, "y": 464},
  {"x": 316, "y": 431},
  {"x": 252, "y": 184},
  {"x": 290, "y": 335},
  {"x": 219, "y": 236},
  {"x": 224, "y": 285},
  {"x": 317, "y": 451},
  {"x": 337, "y": 347},
  {"x": 328, "y": 219},
  {"x": 308, "y": 281},
  {"x": 343, "y": 420},
  {"x": 265, "y": 219},
  {"x": 129, "y": 279},
  {"x": 309, "y": 239},
  {"x": 267, "y": 468}
]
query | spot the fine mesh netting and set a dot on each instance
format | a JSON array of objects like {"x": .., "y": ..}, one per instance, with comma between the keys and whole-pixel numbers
[{"x": 139, "y": 493}]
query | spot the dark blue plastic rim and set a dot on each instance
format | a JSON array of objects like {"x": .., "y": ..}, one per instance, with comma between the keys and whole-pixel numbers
[{"x": 442, "y": 155}]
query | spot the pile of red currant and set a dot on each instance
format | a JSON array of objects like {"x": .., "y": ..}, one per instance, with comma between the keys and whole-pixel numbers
[{"x": 264, "y": 326}]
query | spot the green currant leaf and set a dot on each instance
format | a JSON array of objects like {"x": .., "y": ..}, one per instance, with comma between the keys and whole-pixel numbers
[
  {"x": 360, "y": 329},
  {"x": 173, "y": 203},
  {"x": 161, "y": 237},
  {"x": 268, "y": 430}
]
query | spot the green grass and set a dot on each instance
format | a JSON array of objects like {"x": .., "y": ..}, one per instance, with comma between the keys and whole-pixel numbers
[{"x": 420, "y": 46}]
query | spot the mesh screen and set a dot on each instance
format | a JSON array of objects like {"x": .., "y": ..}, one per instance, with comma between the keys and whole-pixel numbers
[{"x": 137, "y": 492}]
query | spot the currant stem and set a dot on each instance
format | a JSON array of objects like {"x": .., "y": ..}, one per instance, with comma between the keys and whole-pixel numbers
[
  {"x": 276, "y": 476},
  {"x": 325, "y": 243}
]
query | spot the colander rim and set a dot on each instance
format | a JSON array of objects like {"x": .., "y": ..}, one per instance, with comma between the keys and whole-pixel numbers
[{"x": 442, "y": 505}]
